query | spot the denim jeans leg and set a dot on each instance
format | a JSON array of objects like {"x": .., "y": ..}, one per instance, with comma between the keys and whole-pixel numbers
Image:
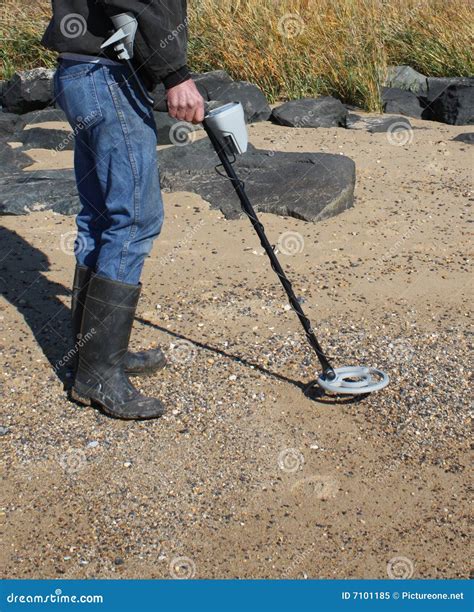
[
  {"x": 127, "y": 166},
  {"x": 116, "y": 168},
  {"x": 69, "y": 89},
  {"x": 92, "y": 219}
]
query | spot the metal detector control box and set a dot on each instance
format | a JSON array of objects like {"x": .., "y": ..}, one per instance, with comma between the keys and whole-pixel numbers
[{"x": 227, "y": 123}]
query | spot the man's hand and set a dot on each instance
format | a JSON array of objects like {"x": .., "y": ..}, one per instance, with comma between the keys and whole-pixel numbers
[{"x": 185, "y": 102}]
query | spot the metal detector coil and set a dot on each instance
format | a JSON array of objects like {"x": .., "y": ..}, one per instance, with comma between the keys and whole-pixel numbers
[
  {"x": 227, "y": 132},
  {"x": 354, "y": 380}
]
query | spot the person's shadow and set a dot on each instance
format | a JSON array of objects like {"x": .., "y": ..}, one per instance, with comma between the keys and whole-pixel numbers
[{"x": 24, "y": 284}]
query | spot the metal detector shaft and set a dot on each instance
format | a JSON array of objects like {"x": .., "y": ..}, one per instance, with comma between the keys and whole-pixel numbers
[{"x": 250, "y": 212}]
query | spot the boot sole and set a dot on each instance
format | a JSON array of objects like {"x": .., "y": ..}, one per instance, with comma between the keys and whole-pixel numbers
[{"x": 91, "y": 401}]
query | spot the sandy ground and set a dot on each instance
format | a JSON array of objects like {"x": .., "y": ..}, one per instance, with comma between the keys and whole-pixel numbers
[{"x": 246, "y": 476}]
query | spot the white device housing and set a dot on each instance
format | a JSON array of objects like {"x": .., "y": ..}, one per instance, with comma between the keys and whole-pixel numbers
[
  {"x": 126, "y": 27},
  {"x": 227, "y": 122}
]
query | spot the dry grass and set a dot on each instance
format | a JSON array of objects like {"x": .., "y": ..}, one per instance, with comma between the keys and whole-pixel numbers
[
  {"x": 22, "y": 24},
  {"x": 294, "y": 48}
]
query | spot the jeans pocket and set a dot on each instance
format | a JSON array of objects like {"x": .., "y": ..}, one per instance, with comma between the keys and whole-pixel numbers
[{"x": 76, "y": 94}]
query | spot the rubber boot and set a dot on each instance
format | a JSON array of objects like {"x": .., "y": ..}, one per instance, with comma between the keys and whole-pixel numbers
[
  {"x": 141, "y": 363},
  {"x": 107, "y": 321}
]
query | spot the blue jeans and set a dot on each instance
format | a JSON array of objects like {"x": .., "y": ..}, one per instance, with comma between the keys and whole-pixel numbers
[{"x": 116, "y": 167}]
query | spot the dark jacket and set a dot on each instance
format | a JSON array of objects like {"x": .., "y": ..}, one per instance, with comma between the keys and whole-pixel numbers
[{"x": 81, "y": 26}]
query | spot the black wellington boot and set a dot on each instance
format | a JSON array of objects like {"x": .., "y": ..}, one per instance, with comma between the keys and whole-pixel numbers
[
  {"x": 107, "y": 321},
  {"x": 141, "y": 363}
]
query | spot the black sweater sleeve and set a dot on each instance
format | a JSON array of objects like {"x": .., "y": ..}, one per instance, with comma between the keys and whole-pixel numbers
[{"x": 161, "y": 40}]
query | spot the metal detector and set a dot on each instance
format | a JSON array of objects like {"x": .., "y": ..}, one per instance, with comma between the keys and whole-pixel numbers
[{"x": 226, "y": 129}]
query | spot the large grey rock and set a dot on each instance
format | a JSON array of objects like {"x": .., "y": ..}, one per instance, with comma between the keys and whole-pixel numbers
[
  {"x": 42, "y": 138},
  {"x": 253, "y": 100},
  {"x": 377, "y": 125},
  {"x": 206, "y": 83},
  {"x": 401, "y": 102},
  {"x": 9, "y": 123},
  {"x": 3, "y": 85},
  {"x": 309, "y": 186},
  {"x": 159, "y": 97},
  {"x": 438, "y": 85},
  {"x": 172, "y": 131},
  {"x": 311, "y": 113},
  {"x": 467, "y": 138},
  {"x": 406, "y": 78},
  {"x": 29, "y": 90},
  {"x": 43, "y": 116},
  {"x": 25, "y": 192},
  {"x": 217, "y": 85},
  {"x": 454, "y": 105},
  {"x": 160, "y": 100},
  {"x": 212, "y": 79},
  {"x": 12, "y": 160}
]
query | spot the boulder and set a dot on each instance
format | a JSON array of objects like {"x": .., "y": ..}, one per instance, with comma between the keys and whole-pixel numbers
[
  {"x": 438, "y": 85},
  {"x": 454, "y": 105},
  {"x": 3, "y": 85},
  {"x": 41, "y": 138},
  {"x": 253, "y": 100},
  {"x": 389, "y": 124},
  {"x": 212, "y": 79},
  {"x": 25, "y": 192},
  {"x": 308, "y": 186},
  {"x": 44, "y": 116},
  {"x": 467, "y": 137},
  {"x": 172, "y": 131},
  {"x": 29, "y": 90},
  {"x": 402, "y": 102},
  {"x": 311, "y": 113},
  {"x": 206, "y": 82},
  {"x": 159, "y": 97},
  {"x": 12, "y": 160},
  {"x": 406, "y": 78},
  {"x": 376, "y": 125},
  {"x": 217, "y": 85},
  {"x": 9, "y": 123}
]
